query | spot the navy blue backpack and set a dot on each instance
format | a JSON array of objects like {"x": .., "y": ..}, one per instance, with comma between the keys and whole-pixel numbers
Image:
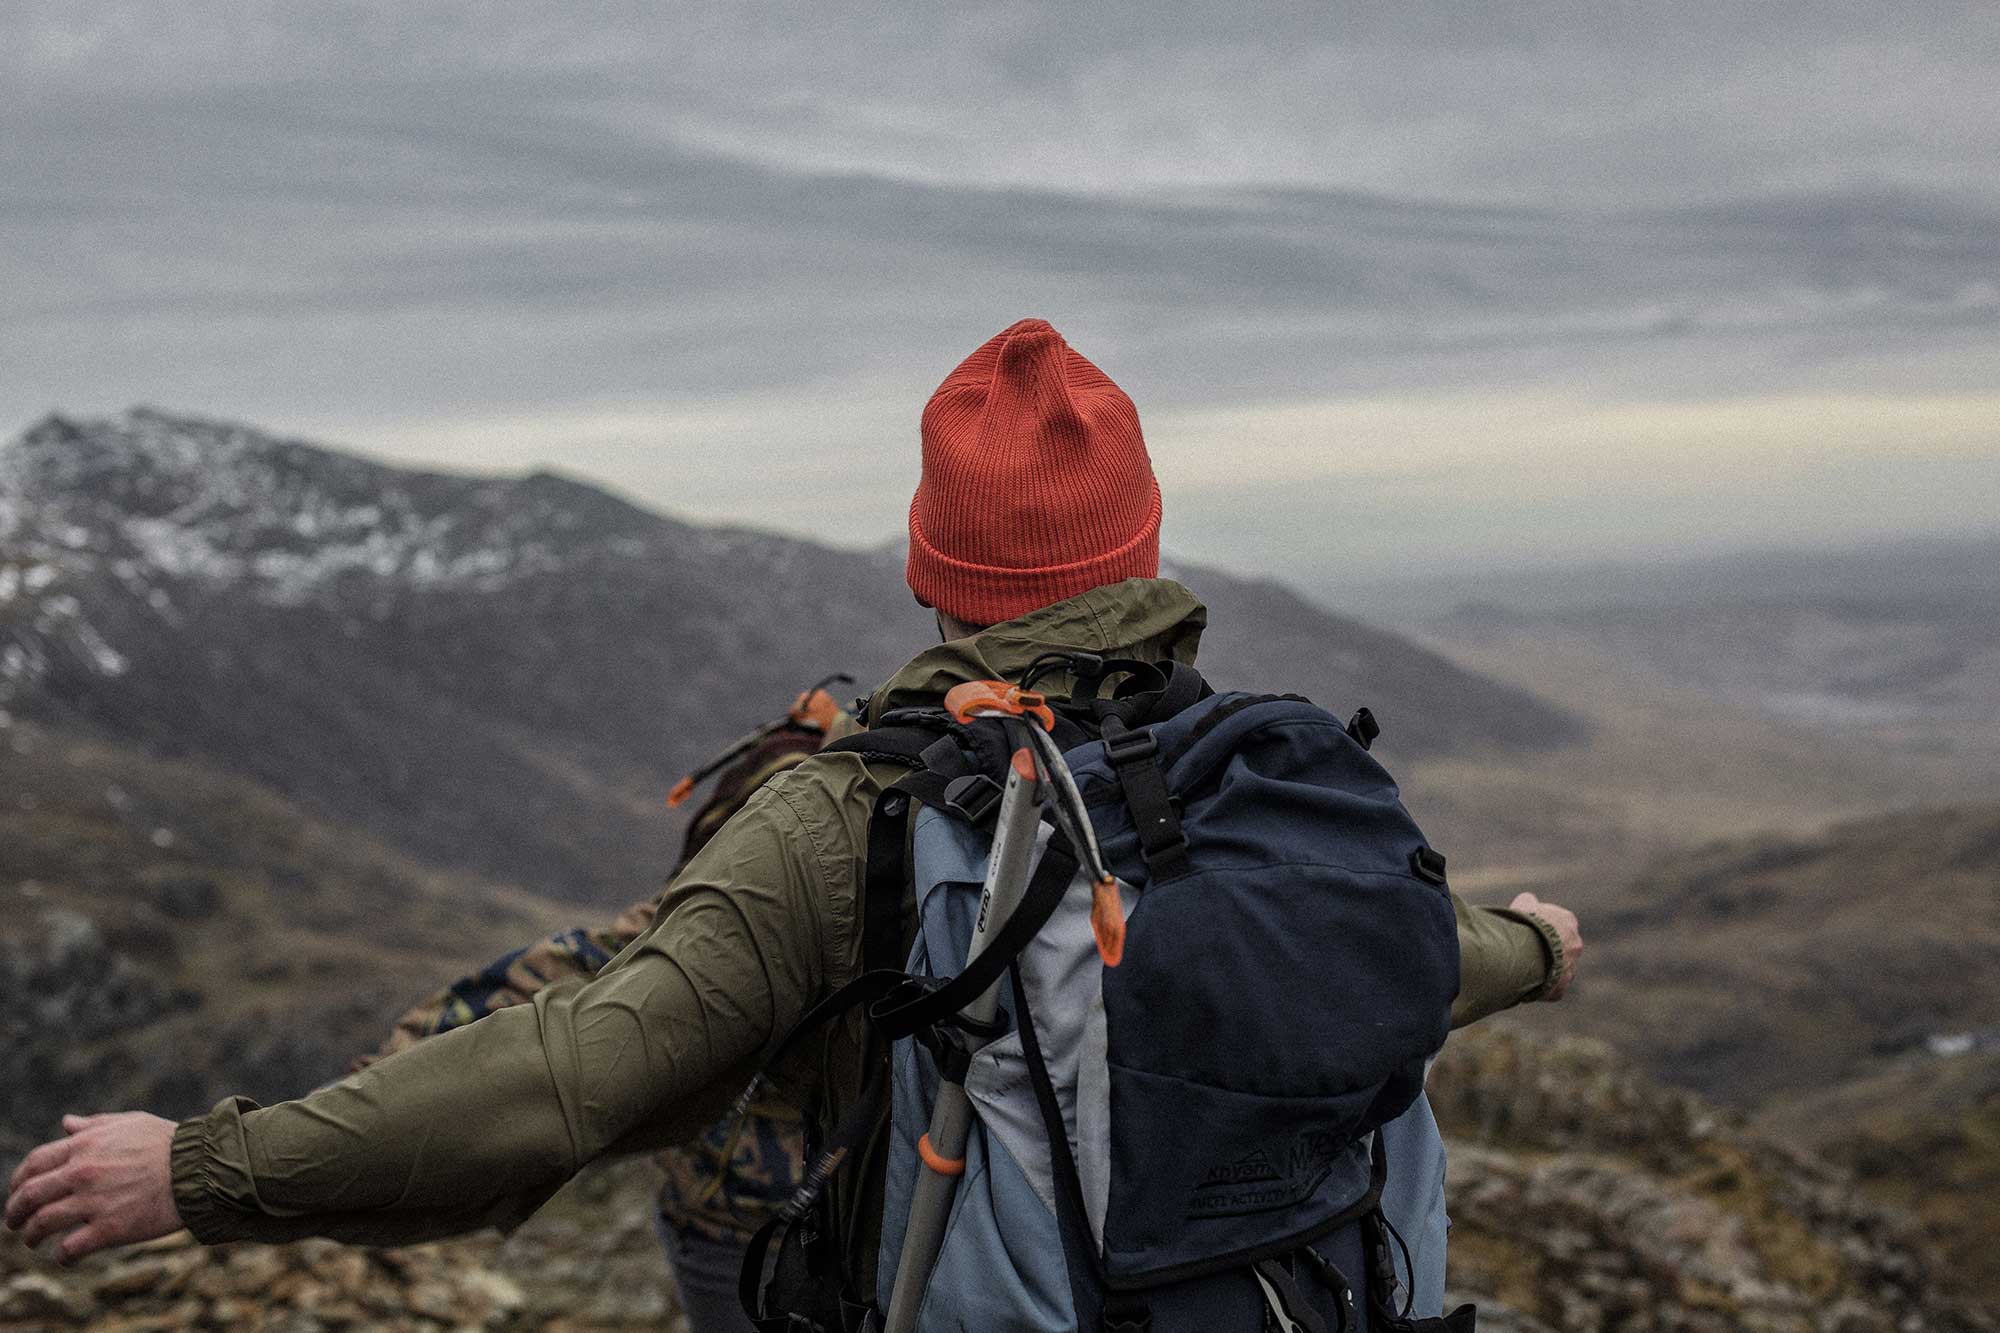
[{"x": 1226, "y": 1129}]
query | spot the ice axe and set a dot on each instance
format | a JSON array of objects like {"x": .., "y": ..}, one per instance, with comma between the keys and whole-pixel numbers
[
  {"x": 1036, "y": 773},
  {"x": 813, "y": 710}
]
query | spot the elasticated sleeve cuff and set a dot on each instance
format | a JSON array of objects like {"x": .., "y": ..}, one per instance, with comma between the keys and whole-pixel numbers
[
  {"x": 1552, "y": 950},
  {"x": 203, "y": 1177}
]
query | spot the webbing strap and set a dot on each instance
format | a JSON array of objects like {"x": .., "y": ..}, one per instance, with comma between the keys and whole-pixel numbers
[
  {"x": 884, "y": 882},
  {"x": 929, "y": 745},
  {"x": 916, "y": 1007},
  {"x": 1120, "y": 1314},
  {"x": 864, "y": 989},
  {"x": 1286, "y": 1304},
  {"x": 815, "y": 1299},
  {"x": 1134, "y": 757}
]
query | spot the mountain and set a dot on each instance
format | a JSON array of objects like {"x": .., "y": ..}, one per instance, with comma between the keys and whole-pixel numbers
[
  {"x": 1769, "y": 966},
  {"x": 288, "y": 736},
  {"x": 170, "y": 934},
  {"x": 1920, "y": 1131},
  {"x": 1585, "y": 1196},
  {"x": 1839, "y": 986},
  {"x": 505, "y": 675}
]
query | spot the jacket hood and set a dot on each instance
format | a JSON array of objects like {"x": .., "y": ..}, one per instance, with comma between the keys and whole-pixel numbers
[{"x": 1150, "y": 619}]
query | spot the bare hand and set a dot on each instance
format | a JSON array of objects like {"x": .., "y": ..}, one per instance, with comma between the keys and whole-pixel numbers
[
  {"x": 108, "y": 1183},
  {"x": 1564, "y": 921}
]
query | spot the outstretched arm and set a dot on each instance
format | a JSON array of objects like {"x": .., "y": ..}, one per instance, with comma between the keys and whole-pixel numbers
[
  {"x": 479, "y": 1125},
  {"x": 1508, "y": 956}
]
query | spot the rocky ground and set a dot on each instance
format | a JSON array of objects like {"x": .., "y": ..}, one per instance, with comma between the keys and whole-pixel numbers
[
  {"x": 587, "y": 1263},
  {"x": 1584, "y": 1197}
]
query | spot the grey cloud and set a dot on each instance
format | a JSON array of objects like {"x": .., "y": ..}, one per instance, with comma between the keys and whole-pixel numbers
[
  {"x": 346, "y": 204},
  {"x": 386, "y": 212}
]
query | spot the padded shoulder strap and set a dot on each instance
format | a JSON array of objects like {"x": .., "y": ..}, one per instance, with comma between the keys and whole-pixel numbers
[
  {"x": 1180, "y": 688},
  {"x": 946, "y": 760},
  {"x": 903, "y": 744},
  {"x": 883, "y": 883}
]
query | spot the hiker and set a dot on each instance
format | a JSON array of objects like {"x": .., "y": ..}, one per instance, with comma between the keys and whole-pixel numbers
[
  {"x": 721, "y": 1187},
  {"x": 1035, "y": 527}
]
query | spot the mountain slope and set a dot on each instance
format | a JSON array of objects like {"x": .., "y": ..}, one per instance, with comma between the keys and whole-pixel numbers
[
  {"x": 170, "y": 934},
  {"x": 1840, "y": 986},
  {"x": 1586, "y": 1197},
  {"x": 497, "y": 674},
  {"x": 1767, "y": 966}
]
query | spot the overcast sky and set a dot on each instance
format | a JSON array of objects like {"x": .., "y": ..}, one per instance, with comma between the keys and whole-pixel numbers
[{"x": 1428, "y": 288}]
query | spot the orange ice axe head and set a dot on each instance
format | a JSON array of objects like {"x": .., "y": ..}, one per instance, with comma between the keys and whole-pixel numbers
[
  {"x": 982, "y": 698},
  {"x": 816, "y": 709}
]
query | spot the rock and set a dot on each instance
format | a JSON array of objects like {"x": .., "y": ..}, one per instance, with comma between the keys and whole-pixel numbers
[
  {"x": 253, "y": 1269},
  {"x": 433, "y": 1300},
  {"x": 1851, "y": 1315},
  {"x": 233, "y": 1312},
  {"x": 343, "y": 1270},
  {"x": 187, "y": 898},
  {"x": 500, "y": 1295},
  {"x": 33, "y": 1296},
  {"x": 209, "y": 1282},
  {"x": 145, "y": 1274},
  {"x": 134, "y": 1323}
]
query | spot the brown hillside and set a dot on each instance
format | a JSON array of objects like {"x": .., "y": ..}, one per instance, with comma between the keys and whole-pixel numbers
[
  {"x": 1586, "y": 1197},
  {"x": 1923, "y": 1134},
  {"x": 169, "y": 934},
  {"x": 1769, "y": 965}
]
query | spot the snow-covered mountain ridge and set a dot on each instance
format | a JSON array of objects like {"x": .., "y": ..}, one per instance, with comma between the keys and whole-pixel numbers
[
  {"x": 146, "y": 493},
  {"x": 170, "y": 507},
  {"x": 503, "y": 674}
]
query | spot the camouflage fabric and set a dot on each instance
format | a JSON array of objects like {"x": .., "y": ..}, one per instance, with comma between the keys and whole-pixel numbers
[
  {"x": 732, "y": 1178},
  {"x": 514, "y": 978}
]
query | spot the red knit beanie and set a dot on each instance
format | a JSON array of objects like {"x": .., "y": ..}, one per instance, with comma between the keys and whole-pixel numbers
[{"x": 1036, "y": 483}]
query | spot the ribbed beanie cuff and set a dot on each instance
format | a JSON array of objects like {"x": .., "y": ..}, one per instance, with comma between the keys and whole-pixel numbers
[{"x": 1036, "y": 485}]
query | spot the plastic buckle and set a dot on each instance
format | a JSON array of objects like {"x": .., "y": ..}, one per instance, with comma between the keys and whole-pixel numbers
[
  {"x": 1427, "y": 864},
  {"x": 1363, "y": 728},
  {"x": 975, "y": 797},
  {"x": 953, "y": 1042},
  {"x": 1130, "y": 746}
]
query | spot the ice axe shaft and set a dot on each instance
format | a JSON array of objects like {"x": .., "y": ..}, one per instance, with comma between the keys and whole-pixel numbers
[{"x": 943, "y": 1145}]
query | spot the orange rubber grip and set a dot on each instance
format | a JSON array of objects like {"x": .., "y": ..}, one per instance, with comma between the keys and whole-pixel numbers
[
  {"x": 1107, "y": 921},
  {"x": 975, "y": 697},
  {"x": 944, "y": 1166},
  {"x": 682, "y": 790},
  {"x": 815, "y": 708},
  {"x": 1024, "y": 764}
]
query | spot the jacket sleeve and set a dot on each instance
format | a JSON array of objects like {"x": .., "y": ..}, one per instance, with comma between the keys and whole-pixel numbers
[
  {"x": 480, "y": 1124},
  {"x": 1505, "y": 958}
]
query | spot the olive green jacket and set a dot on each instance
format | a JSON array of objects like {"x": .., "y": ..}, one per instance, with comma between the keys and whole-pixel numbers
[{"x": 481, "y": 1124}]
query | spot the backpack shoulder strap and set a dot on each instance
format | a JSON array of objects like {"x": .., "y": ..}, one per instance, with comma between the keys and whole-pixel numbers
[
  {"x": 883, "y": 880},
  {"x": 951, "y": 766},
  {"x": 1157, "y": 692},
  {"x": 904, "y": 744}
]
